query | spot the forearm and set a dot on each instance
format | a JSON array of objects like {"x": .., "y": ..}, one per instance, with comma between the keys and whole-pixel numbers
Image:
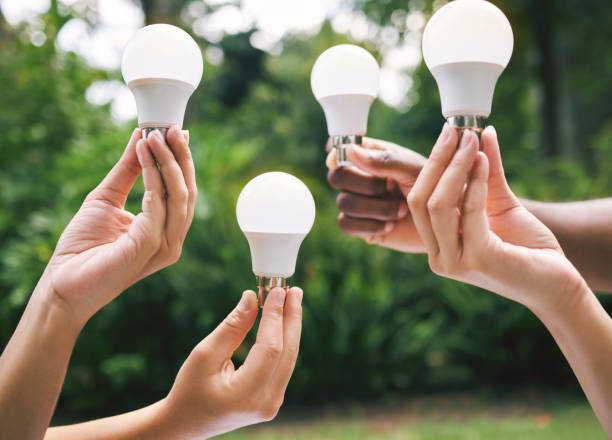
[
  {"x": 33, "y": 366},
  {"x": 151, "y": 422},
  {"x": 584, "y": 230},
  {"x": 583, "y": 331}
]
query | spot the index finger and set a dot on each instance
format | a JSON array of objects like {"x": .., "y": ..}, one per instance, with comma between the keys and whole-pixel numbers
[
  {"x": 262, "y": 360},
  {"x": 356, "y": 181},
  {"x": 292, "y": 330}
]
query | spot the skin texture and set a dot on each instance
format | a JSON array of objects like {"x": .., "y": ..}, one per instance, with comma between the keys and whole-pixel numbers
[
  {"x": 104, "y": 250},
  {"x": 475, "y": 230},
  {"x": 210, "y": 396},
  {"x": 373, "y": 191}
]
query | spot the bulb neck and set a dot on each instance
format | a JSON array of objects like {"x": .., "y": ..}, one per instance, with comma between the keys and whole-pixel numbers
[
  {"x": 340, "y": 142},
  {"x": 266, "y": 284},
  {"x": 148, "y": 130},
  {"x": 468, "y": 122}
]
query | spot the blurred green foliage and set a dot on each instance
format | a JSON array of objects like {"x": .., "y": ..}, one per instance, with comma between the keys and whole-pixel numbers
[{"x": 376, "y": 323}]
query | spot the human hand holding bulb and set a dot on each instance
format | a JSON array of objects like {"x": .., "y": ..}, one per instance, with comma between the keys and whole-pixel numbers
[
  {"x": 275, "y": 211},
  {"x": 345, "y": 80},
  {"x": 162, "y": 65},
  {"x": 105, "y": 248}
]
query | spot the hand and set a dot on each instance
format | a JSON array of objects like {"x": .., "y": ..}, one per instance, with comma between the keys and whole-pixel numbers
[
  {"x": 210, "y": 397},
  {"x": 479, "y": 232},
  {"x": 105, "y": 248},
  {"x": 372, "y": 200}
]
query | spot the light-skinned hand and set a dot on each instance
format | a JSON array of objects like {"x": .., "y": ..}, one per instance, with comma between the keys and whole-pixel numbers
[
  {"x": 105, "y": 248},
  {"x": 210, "y": 396},
  {"x": 479, "y": 232}
]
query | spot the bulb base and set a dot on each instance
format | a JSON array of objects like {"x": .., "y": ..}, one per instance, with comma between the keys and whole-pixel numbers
[
  {"x": 468, "y": 122},
  {"x": 266, "y": 284},
  {"x": 339, "y": 143}
]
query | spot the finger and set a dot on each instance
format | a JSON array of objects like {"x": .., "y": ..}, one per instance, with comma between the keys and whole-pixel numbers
[
  {"x": 153, "y": 205},
  {"x": 146, "y": 229},
  {"x": 379, "y": 208},
  {"x": 428, "y": 178},
  {"x": 292, "y": 330},
  {"x": 364, "y": 228},
  {"x": 356, "y": 181},
  {"x": 177, "y": 194},
  {"x": 179, "y": 145},
  {"x": 474, "y": 220},
  {"x": 444, "y": 202},
  {"x": 119, "y": 181},
  {"x": 225, "y": 339},
  {"x": 331, "y": 161},
  {"x": 386, "y": 160},
  {"x": 262, "y": 360},
  {"x": 498, "y": 189}
]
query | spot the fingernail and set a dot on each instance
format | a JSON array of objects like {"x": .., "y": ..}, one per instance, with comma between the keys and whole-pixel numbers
[
  {"x": 466, "y": 139},
  {"x": 402, "y": 211},
  {"x": 279, "y": 296},
  {"x": 245, "y": 303},
  {"x": 390, "y": 185},
  {"x": 299, "y": 294},
  {"x": 389, "y": 226}
]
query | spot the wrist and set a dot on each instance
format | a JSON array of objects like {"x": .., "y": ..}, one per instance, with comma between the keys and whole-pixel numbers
[
  {"x": 57, "y": 313},
  {"x": 562, "y": 303}
]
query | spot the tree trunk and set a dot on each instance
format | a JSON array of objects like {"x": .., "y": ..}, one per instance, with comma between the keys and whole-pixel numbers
[
  {"x": 162, "y": 11},
  {"x": 544, "y": 18}
]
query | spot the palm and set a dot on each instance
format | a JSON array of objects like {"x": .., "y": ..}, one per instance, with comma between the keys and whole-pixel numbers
[{"x": 95, "y": 242}]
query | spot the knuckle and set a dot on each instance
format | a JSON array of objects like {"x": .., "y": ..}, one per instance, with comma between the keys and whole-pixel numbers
[
  {"x": 414, "y": 200},
  {"x": 435, "y": 205},
  {"x": 272, "y": 350},
  {"x": 233, "y": 322},
  {"x": 343, "y": 201},
  {"x": 435, "y": 266},
  {"x": 175, "y": 255},
  {"x": 292, "y": 351},
  {"x": 335, "y": 178},
  {"x": 375, "y": 186},
  {"x": 385, "y": 157}
]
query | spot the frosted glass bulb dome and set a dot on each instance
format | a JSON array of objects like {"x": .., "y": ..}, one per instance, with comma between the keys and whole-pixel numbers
[
  {"x": 466, "y": 46},
  {"x": 345, "y": 80},
  {"x": 162, "y": 65},
  {"x": 275, "y": 211}
]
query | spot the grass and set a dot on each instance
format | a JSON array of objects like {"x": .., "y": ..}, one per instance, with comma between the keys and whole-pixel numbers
[{"x": 456, "y": 418}]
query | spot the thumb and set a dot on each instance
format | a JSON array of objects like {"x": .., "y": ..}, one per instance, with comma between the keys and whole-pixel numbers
[
  {"x": 386, "y": 160},
  {"x": 119, "y": 181},
  {"x": 224, "y": 340},
  {"x": 500, "y": 196}
]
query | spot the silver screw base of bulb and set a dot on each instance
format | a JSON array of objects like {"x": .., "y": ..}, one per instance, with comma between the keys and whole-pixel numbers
[
  {"x": 266, "y": 284},
  {"x": 148, "y": 130},
  {"x": 339, "y": 143},
  {"x": 473, "y": 123}
]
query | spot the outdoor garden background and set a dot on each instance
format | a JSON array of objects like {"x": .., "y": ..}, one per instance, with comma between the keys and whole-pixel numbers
[{"x": 389, "y": 350}]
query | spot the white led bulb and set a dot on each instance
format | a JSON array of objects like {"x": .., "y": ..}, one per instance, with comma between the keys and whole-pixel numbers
[
  {"x": 162, "y": 65},
  {"x": 345, "y": 80},
  {"x": 466, "y": 45},
  {"x": 275, "y": 211}
]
